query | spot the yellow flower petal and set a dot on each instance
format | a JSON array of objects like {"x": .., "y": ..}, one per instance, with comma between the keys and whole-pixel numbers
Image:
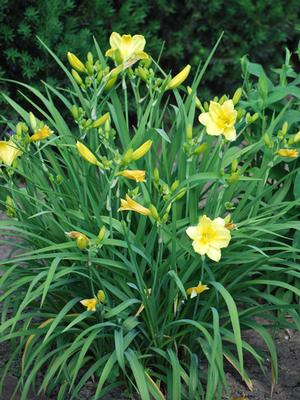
[
  {"x": 137, "y": 175},
  {"x": 126, "y": 47},
  {"x": 90, "y": 304},
  {"x": 195, "y": 290},
  {"x": 290, "y": 153},
  {"x": 9, "y": 152},
  {"x": 131, "y": 205},
  {"x": 41, "y": 134}
]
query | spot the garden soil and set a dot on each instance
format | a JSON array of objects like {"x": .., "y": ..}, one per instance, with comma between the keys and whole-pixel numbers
[{"x": 288, "y": 387}]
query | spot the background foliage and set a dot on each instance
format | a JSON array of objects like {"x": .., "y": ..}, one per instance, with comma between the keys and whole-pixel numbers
[{"x": 189, "y": 28}]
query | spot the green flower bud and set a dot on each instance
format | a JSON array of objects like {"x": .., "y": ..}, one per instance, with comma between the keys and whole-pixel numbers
[
  {"x": 154, "y": 212},
  {"x": 181, "y": 194},
  {"x": 128, "y": 156},
  {"x": 237, "y": 96},
  {"x": 75, "y": 112},
  {"x": 77, "y": 77},
  {"x": 156, "y": 175},
  {"x": 189, "y": 132},
  {"x": 174, "y": 185},
  {"x": 234, "y": 166},
  {"x": 32, "y": 121},
  {"x": 90, "y": 58},
  {"x": 200, "y": 149},
  {"x": 101, "y": 234}
]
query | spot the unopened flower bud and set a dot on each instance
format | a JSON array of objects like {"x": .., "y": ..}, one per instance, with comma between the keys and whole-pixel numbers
[
  {"x": 189, "y": 132},
  {"x": 223, "y": 99},
  {"x": 128, "y": 156},
  {"x": 32, "y": 121},
  {"x": 237, "y": 96},
  {"x": 154, "y": 212},
  {"x": 77, "y": 77},
  {"x": 101, "y": 296},
  {"x": 90, "y": 58},
  {"x": 75, "y": 62},
  {"x": 174, "y": 185},
  {"x": 101, "y": 234},
  {"x": 179, "y": 78},
  {"x": 181, "y": 194},
  {"x": 142, "y": 150},
  {"x": 90, "y": 68},
  {"x": 101, "y": 120},
  {"x": 234, "y": 165},
  {"x": 75, "y": 112},
  {"x": 240, "y": 113},
  {"x": 200, "y": 149},
  {"x": 295, "y": 138},
  {"x": 267, "y": 141},
  {"x": 110, "y": 83},
  {"x": 284, "y": 128},
  {"x": 156, "y": 175},
  {"x": 19, "y": 128},
  {"x": 234, "y": 177}
]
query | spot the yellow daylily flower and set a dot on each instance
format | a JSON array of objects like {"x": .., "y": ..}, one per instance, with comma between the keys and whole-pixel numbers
[
  {"x": 290, "y": 153},
  {"x": 90, "y": 304},
  {"x": 142, "y": 150},
  {"x": 179, "y": 78},
  {"x": 220, "y": 119},
  {"x": 87, "y": 154},
  {"x": 126, "y": 47},
  {"x": 209, "y": 237},
  {"x": 137, "y": 175},
  {"x": 9, "y": 152},
  {"x": 131, "y": 205},
  {"x": 195, "y": 290},
  {"x": 75, "y": 62},
  {"x": 41, "y": 134}
]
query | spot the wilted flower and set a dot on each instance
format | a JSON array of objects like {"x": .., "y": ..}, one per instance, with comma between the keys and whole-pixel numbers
[
  {"x": 9, "y": 152},
  {"x": 41, "y": 134},
  {"x": 126, "y": 47},
  {"x": 131, "y": 205},
  {"x": 87, "y": 154},
  {"x": 90, "y": 304},
  {"x": 220, "y": 119},
  {"x": 82, "y": 240},
  {"x": 290, "y": 153},
  {"x": 137, "y": 175},
  {"x": 195, "y": 290},
  {"x": 209, "y": 236},
  {"x": 179, "y": 78}
]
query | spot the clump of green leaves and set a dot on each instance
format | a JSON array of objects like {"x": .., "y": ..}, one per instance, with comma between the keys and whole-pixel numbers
[{"x": 146, "y": 335}]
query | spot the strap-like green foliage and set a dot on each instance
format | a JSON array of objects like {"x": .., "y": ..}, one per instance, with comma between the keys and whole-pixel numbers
[{"x": 148, "y": 335}]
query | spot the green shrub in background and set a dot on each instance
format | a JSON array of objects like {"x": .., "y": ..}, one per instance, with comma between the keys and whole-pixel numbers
[{"x": 189, "y": 28}]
